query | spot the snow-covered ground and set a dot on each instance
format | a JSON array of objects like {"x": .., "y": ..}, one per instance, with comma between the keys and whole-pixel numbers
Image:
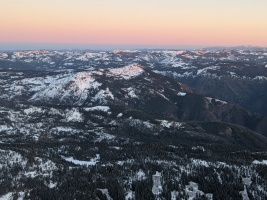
[
  {"x": 127, "y": 72},
  {"x": 92, "y": 161},
  {"x": 263, "y": 162}
]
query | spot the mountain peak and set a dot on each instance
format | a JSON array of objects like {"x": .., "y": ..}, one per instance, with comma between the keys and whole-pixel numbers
[{"x": 127, "y": 72}]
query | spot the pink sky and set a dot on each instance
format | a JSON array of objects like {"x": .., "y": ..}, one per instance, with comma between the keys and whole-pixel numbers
[{"x": 147, "y": 22}]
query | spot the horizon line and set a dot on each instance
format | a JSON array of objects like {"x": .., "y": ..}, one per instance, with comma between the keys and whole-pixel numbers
[{"x": 109, "y": 47}]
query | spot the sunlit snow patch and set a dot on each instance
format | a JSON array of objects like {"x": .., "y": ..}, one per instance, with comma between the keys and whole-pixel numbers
[
  {"x": 32, "y": 110},
  {"x": 198, "y": 162},
  {"x": 127, "y": 72},
  {"x": 260, "y": 78},
  {"x": 216, "y": 100},
  {"x": 98, "y": 108},
  {"x": 103, "y": 95},
  {"x": 140, "y": 175},
  {"x": 5, "y": 128},
  {"x": 181, "y": 94},
  {"x": 74, "y": 115},
  {"x": 119, "y": 115},
  {"x": 131, "y": 92},
  {"x": 204, "y": 70}
]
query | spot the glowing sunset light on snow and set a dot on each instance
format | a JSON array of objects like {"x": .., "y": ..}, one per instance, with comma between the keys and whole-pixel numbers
[{"x": 147, "y": 22}]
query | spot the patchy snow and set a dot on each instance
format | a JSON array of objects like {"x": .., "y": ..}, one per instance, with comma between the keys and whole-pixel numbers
[
  {"x": 118, "y": 51},
  {"x": 46, "y": 166},
  {"x": 231, "y": 57},
  {"x": 103, "y": 95},
  {"x": 247, "y": 181},
  {"x": 131, "y": 92},
  {"x": 54, "y": 111},
  {"x": 98, "y": 108},
  {"x": 200, "y": 162},
  {"x": 256, "y": 162},
  {"x": 201, "y": 148},
  {"x": 12, "y": 157},
  {"x": 216, "y": 100},
  {"x": 169, "y": 124},
  {"x": 204, "y": 70},
  {"x": 3, "y": 55},
  {"x": 52, "y": 185},
  {"x": 7, "y": 196},
  {"x": 244, "y": 194},
  {"x": 129, "y": 195},
  {"x": 33, "y": 110},
  {"x": 93, "y": 161},
  {"x": 63, "y": 87},
  {"x": 63, "y": 129},
  {"x": 188, "y": 56},
  {"x": 174, "y": 195},
  {"x": 165, "y": 123},
  {"x": 181, "y": 94},
  {"x": 68, "y": 64},
  {"x": 129, "y": 161},
  {"x": 192, "y": 190},
  {"x": 119, "y": 115},
  {"x": 209, "y": 99},
  {"x": 232, "y": 73},
  {"x": 163, "y": 96},
  {"x": 260, "y": 78},
  {"x": 103, "y": 136},
  {"x": 117, "y": 148},
  {"x": 21, "y": 195},
  {"x": 127, "y": 72},
  {"x": 140, "y": 175},
  {"x": 148, "y": 125},
  {"x": 74, "y": 115},
  {"x": 106, "y": 193},
  {"x": 5, "y": 128}
]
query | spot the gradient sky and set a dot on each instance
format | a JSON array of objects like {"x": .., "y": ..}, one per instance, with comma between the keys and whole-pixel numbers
[{"x": 139, "y": 23}]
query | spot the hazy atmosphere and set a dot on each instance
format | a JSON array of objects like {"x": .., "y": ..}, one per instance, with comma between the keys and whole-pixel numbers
[{"x": 132, "y": 24}]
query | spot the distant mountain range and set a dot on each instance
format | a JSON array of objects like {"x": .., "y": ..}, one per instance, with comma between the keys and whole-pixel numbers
[{"x": 241, "y": 74}]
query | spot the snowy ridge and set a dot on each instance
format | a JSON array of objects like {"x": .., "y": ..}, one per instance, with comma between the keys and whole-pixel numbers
[
  {"x": 125, "y": 51},
  {"x": 127, "y": 72},
  {"x": 70, "y": 87},
  {"x": 79, "y": 84}
]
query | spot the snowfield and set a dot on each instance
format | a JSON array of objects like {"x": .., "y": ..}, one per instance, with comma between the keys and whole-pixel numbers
[
  {"x": 93, "y": 161},
  {"x": 127, "y": 72}
]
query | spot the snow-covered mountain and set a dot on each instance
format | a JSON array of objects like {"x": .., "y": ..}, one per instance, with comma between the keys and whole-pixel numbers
[
  {"x": 110, "y": 125},
  {"x": 241, "y": 72},
  {"x": 132, "y": 86}
]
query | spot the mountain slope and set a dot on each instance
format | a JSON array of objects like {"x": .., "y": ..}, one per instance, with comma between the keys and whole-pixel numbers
[
  {"x": 240, "y": 73},
  {"x": 132, "y": 86},
  {"x": 106, "y": 133}
]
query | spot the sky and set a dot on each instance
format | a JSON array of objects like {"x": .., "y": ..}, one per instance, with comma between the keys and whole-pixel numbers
[{"x": 102, "y": 24}]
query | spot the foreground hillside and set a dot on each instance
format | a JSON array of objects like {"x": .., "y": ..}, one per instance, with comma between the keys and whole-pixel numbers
[{"x": 111, "y": 133}]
